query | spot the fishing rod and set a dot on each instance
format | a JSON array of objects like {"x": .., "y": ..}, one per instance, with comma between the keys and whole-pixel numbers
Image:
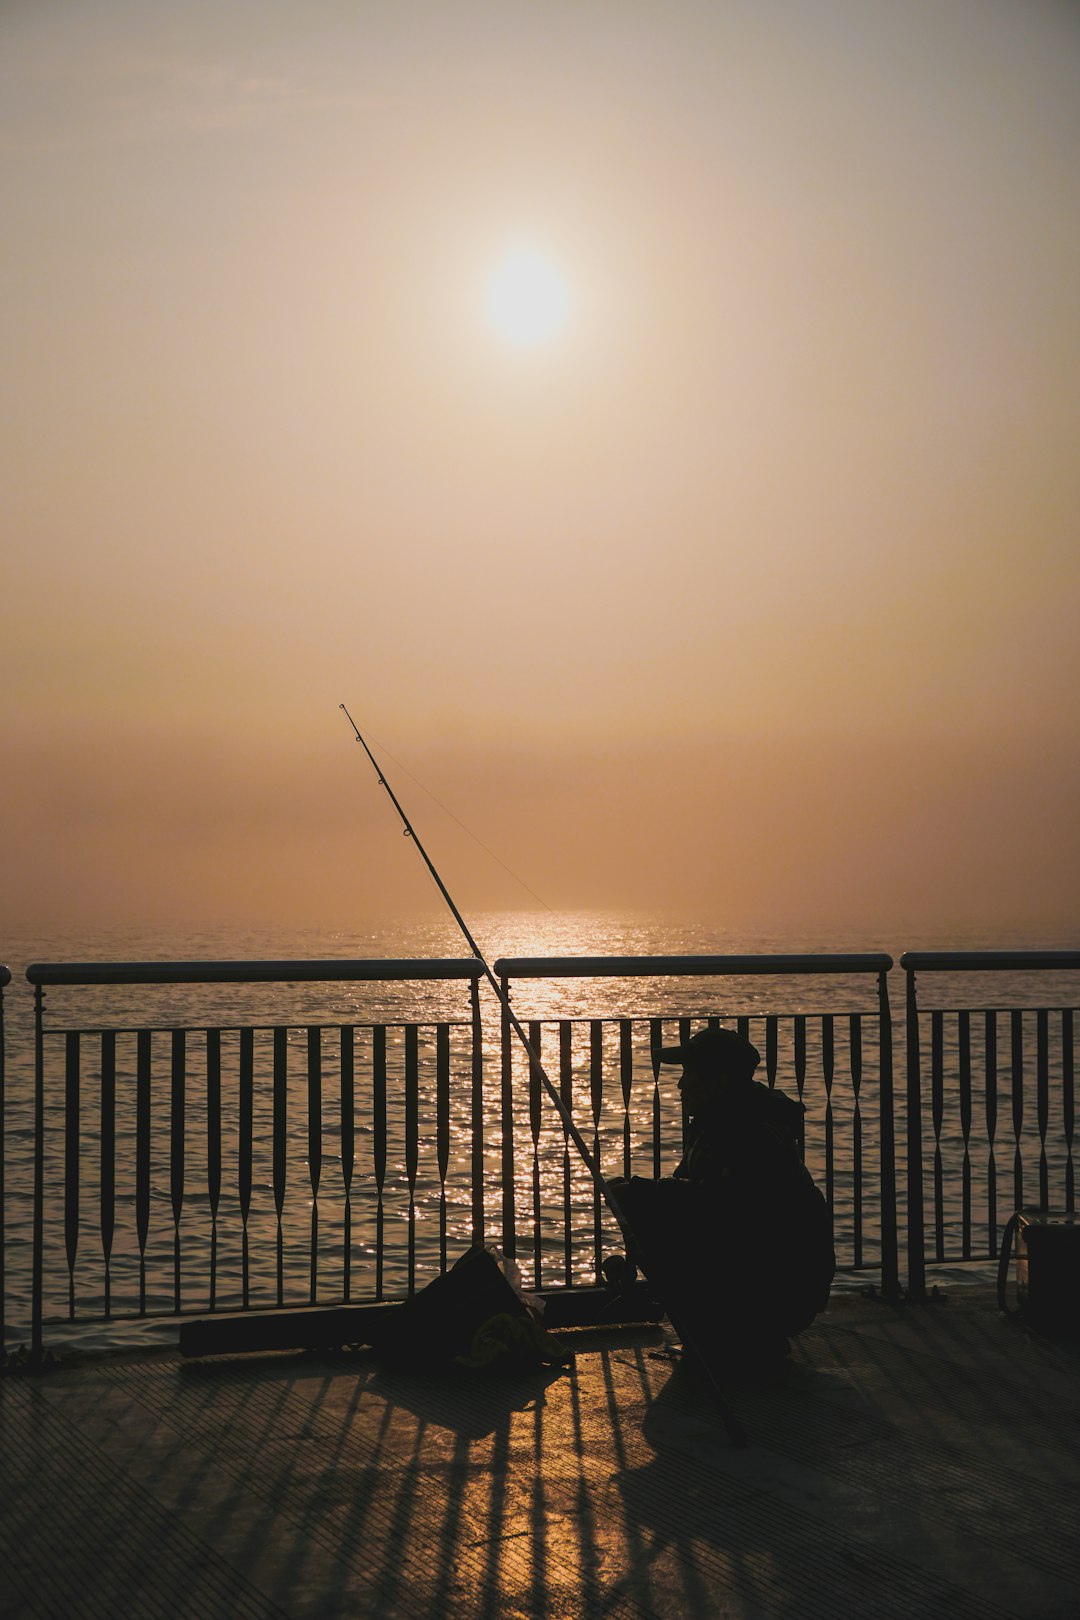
[{"x": 735, "y": 1430}]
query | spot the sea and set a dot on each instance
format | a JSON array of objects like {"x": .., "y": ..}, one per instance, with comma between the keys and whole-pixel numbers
[{"x": 300, "y": 1210}]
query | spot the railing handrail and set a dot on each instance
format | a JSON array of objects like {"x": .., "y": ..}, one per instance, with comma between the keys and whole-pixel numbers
[
  {"x": 279, "y": 972},
  {"x": 987, "y": 961},
  {"x": 629, "y": 967}
]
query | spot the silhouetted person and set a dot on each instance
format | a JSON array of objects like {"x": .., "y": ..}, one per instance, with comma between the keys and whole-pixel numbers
[{"x": 738, "y": 1242}]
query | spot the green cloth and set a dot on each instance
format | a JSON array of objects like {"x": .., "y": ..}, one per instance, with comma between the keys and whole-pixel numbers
[{"x": 514, "y": 1341}]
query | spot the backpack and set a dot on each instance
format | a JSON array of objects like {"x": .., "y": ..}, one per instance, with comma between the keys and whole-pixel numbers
[{"x": 471, "y": 1316}]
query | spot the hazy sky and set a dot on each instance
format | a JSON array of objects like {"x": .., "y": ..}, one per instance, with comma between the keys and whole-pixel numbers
[{"x": 751, "y": 592}]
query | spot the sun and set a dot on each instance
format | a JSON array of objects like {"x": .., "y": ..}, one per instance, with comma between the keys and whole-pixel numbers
[{"x": 527, "y": 299}]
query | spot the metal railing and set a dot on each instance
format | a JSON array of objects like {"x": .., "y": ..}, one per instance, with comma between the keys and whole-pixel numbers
[
  {"x": 139, "y": 1100},
  {"x": 974, "y": 1090},
  {"x": 199, "y": 1160}
]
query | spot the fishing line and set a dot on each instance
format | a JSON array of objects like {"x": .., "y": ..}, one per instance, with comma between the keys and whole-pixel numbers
[
  {"x": 731, "y": 1422},
  {"x": 447, "y": 811}
]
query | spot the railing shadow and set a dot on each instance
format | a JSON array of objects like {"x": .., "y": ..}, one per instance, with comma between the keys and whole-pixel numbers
[{"x": 405, "y": 1486}]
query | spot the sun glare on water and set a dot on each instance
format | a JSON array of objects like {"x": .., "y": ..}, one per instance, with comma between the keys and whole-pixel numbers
[{"x": 527, "y": 299}]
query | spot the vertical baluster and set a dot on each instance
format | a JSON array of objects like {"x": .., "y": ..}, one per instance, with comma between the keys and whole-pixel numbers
[
  {"x": 1042, "y": 1097},
  {"x": 566, "y": 1092},
  {"x": 742, "y": 1025},
  {"x": 626, "y": 1081},
  {"x": 536, "y": 1116},
  {"x": 684, "y": 1117},
  {"x": 916, "y": 1232},
  {"x": 347, "y": 1040},
  {"x": 477, "y": 1122},
  {"x": 176, "y": 1152},
  {"x": 71, "y": 1161},
  {"x": 772, "y": 1041},
  {"x": 800, "y": 1074},
  {"x": 143, "y": 1059},
  {"x": 412, "y": 1141},
  {"x": 1068, "y": 1104},
  {"x": 656, "y": 1041},
  {"x": 314, "y": 1085},
  {"x": 213, "y": 1148},
  {"x": 108, "y": 1157},
  {"x": 1016, "y": 1020},
  {"x": 378, "y": 1144},
  {"x": 855, "y": 1049},
  {"x": 937, "y": 1111},
  {"x": 442, "y": 1127},
  {"x": 506, "y": 1117},
  {"x": 37, "y": 1280},
  {"x": 596, "y": 1098},
  {"x": 964, "y": 1035},
  {"x": 887, "y": 1200},
  {"x": 280, "y": 1130},
  {"x": 990, "y": 1064},
  {"x": 244, "y": 1153},
  {"x": 828, "y": 1052}
]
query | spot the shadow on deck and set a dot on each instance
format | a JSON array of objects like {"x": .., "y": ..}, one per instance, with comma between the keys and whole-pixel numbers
[{"x": 910, "y": 1461}]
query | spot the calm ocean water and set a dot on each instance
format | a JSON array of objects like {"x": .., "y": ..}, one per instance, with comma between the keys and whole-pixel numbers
[{"x": 421, "y": 1204}]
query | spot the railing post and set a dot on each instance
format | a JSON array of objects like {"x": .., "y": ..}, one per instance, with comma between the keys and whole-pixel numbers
[
  {"x": 442, "y": 1127},
  {"x": 144, "y": 1056},
  {"x": 280, "y": 1157},
  {"x": 72, "y": 1121},
  {"x": 37, "y": 1280},
  {"x": 378, "y": 1146},
  {"x": 477, "y": 1113},
  {"x": 177, "y": 1148},
  {"x": 314, "y": 1111},
  {"x": 890, "y": 1269},
  {"x": 108, "y": 1157},
  {"x": 5, "y": 979},
  {"x": 916, "y": 1264},
  {"x": 412, "y": 1146},
  {"x": 508, "y": 1236},
  {"x": 1068, "y": 1104},
  {"x": 347, "y": 1042},
  {"x": 213, "y": 1148}
]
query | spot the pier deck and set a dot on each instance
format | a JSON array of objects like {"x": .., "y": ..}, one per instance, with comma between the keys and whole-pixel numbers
[{"x": 912, "y": 1461}]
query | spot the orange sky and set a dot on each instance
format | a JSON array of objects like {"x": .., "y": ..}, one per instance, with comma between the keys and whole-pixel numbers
[{"x": 752, "y": 593}]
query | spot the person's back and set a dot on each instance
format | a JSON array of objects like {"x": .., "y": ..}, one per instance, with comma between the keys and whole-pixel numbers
[
  {"x": 747, "y": 1201},
  {"x": 744, "y": 1132}
]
